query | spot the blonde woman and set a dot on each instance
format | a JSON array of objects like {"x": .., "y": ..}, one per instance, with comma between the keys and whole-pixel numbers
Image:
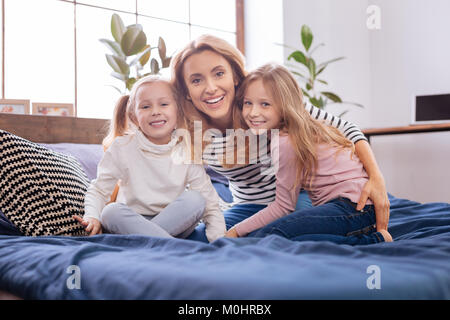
[
  {"x": 311, "y": 155},
  {"x": 152, "y": 199},
  {"x": 207, "y": 73}
]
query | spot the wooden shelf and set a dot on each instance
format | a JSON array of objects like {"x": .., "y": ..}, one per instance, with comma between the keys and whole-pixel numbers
[
  {"x": 407, "y": 129},
  {"x": 55, "y": 129}
]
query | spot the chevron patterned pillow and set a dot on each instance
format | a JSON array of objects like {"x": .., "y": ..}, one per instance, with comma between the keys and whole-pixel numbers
[{"x": 40, "y": 189}]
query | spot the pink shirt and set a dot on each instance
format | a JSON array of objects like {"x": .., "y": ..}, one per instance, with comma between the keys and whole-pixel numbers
[{"x": 339, "y": 174}]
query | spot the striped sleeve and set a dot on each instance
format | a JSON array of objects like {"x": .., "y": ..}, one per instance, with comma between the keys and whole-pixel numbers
[{"x": 348, "y": 129}]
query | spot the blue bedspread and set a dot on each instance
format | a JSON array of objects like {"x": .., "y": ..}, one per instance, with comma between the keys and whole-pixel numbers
[{"x": 415, "y": 266}]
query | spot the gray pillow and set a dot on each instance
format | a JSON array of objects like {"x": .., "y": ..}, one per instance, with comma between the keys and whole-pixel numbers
[{"x": 89, "y": 155}]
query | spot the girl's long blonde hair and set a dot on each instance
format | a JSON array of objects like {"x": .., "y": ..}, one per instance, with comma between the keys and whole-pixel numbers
[
  {"x": 304, "y": 132},
  {"x": 124, "y": 118}
]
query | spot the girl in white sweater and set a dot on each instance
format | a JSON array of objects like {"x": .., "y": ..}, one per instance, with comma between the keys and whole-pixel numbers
[{"x": 158, "y": 196}]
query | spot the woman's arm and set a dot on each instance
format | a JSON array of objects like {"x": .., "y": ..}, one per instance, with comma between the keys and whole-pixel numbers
[{"x": 375, "y": 188}]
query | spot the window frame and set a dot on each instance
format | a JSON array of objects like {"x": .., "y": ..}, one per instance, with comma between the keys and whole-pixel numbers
[{"x": 240, "y": 39}]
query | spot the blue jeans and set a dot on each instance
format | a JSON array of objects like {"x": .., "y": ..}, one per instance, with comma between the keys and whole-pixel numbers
[
  {"x": 240, "y": 212},
  {"x": 337, "y": 221}
]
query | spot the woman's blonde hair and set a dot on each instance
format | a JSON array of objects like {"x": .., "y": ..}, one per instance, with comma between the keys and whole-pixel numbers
[
  {"x": 304, "y": 131},
  {"x": 124, "y": 118},
  {"x": 206, "y": 43}
]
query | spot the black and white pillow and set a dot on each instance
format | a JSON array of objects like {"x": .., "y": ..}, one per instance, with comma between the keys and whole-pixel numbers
[{"x": 40, "y": 189}]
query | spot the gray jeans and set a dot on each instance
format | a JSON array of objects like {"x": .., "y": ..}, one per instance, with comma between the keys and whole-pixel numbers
[{"x": 178, "y": 219}]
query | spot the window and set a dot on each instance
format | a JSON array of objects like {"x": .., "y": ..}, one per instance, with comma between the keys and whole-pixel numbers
[
  {"x": 39, "y": 53},
  {"x": 51, "y": 50}
]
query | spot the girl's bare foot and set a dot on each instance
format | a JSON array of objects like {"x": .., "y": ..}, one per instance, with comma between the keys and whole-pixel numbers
[{"x": 386, "y": 235}]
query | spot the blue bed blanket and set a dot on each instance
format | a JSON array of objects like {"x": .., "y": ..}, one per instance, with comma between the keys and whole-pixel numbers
[{"x": 415, "y": 266}]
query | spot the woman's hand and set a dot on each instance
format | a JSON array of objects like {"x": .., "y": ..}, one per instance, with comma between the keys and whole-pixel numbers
[
  {"x": 375, "y": 189},
  {"x": 91, "y": 225},
  {"x": 231, "y": 233}
]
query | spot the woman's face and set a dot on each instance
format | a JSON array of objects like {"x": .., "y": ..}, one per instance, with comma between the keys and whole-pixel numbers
[{"x": 211, "y": 86}]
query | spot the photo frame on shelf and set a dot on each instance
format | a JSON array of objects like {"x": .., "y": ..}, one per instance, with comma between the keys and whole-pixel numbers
[
  {"x": 53, "y": 109},
  {"x": 15, "y": 106}
]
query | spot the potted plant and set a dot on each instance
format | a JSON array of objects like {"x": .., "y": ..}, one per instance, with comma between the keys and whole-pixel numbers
[
  {"x": 130, "y": 53},
  {"x": 308, "y": 70}
]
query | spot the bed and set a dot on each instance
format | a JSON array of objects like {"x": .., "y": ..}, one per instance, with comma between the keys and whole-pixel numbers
[{"x": 415, "y": 266}]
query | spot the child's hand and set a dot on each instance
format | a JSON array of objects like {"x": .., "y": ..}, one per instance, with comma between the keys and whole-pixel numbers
[
  {"x": 91, "y": 225},
  {"x": 231, "y": 233}
]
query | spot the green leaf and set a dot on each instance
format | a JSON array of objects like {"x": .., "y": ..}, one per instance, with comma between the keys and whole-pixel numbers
[
  {"x": 139, "y": 26},
  {"x": 133, "y": 41},
  {"x": 315, "y": 48},
  {"x": 118, "y": 90},
  {"x": 118, "y": 64},
  {"x": 299, "y": 57},
  {"x": 324, "y": 64},
  {"x": 298, "y": 74},
  {"x": 161, "y": 48},
  {"x": 307, "y": 37},
  {"x": 317, "y": 103},
  {"x": 322, "y": 102},
  {"x": 142, "y": 57},
  {"x": 322, "y": 81},
  {"x": 117, "y": 27},
  {"x": 332, "y": 96},
  {"x": 154, "y": 66},
  {"x": 342, "y": 113},
  {"x": 130, "y": 82},
  {"x": 354, "y": 103},
  {"x": 119, "y": 76},
  {"x": 320, "y": 70},
  {"x": 166, "y": 62},
  {"x": 306, "y": 93},
  {"x": 113, "y": 46},
  {"x": 145, "y": 57},
  {"x": 312, "y": 68}
]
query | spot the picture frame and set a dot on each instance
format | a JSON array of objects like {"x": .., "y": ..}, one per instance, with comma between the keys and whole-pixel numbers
[
  {"x": 15, "y": 106},
  {"x": 53, "y": 109}
]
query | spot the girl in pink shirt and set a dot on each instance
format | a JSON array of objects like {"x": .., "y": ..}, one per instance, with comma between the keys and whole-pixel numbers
[{"x": 307, "y": 154}]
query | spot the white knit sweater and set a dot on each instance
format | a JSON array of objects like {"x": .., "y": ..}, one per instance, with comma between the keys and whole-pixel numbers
[{"x": 150, "y": 179}]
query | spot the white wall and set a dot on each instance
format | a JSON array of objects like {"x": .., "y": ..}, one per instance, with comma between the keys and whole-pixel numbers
[
  {"x": 341, "y": 26},
  {"x": 383, "y": 68},
  {"x": 263, "y": 32},
  {"x": 410, "y": 55}
]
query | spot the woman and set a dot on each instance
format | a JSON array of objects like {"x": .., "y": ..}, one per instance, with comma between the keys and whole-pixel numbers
[{"x": 207, "y": 73}]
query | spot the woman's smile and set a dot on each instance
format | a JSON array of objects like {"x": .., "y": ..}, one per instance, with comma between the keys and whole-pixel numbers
[{"x": 215, "y": 102}]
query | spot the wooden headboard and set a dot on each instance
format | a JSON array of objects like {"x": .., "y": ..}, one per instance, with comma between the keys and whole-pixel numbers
[{"x": 55, "y": 129}]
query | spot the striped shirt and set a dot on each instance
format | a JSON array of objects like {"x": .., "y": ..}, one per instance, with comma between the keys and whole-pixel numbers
[{"x": 255, "y": 182}]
